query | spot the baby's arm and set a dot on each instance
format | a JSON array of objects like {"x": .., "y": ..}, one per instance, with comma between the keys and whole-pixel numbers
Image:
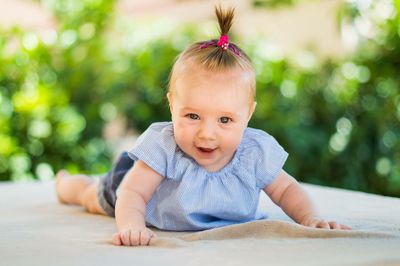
[
  {"x": 287, "y": 193},
  {"x": 135, "y": 191}
]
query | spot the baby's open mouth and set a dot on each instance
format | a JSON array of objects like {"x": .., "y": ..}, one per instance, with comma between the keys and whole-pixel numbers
[{"x": 202, "y": 149}]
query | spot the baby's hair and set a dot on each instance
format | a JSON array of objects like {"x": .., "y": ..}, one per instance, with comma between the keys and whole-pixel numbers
[
  {"x": 215, "y": 55},
  {"x": 225, "y": 20}
]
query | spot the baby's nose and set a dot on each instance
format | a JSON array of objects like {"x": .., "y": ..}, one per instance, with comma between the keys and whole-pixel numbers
[{"x": 207, "y": 131}]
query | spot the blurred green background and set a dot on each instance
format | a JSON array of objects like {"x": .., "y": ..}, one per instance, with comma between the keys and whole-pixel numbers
[{"x": 337, "y": 118}]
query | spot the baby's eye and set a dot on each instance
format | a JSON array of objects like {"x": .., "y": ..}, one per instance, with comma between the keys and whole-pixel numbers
[
  {"x": 193, "y": 116},
  {"x": 225, "y": 120}
]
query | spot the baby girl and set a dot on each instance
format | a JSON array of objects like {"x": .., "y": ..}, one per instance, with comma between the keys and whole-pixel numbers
[{"x": 206, "y": 168}]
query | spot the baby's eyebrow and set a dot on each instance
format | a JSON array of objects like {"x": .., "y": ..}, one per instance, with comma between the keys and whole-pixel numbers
[
  {"x": 187, "y": 109},
  {"x": 229, "y": 114},
  {"x": 220, "y": 114}
]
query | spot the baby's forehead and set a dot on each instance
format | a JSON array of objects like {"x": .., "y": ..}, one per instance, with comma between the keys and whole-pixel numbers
[
  {"x": 231, "y": 76},
  {"x": 187, "y": 75},
  {"x": 232, "y": 73}
]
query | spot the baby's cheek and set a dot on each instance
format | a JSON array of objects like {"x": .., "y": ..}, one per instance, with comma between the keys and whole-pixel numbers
[
  {"x": 231, "y": 141},
  {"x": 182, "y": 140}
]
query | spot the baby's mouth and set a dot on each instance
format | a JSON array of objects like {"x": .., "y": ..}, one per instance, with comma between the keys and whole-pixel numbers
[{"x": 206, "y": 150}]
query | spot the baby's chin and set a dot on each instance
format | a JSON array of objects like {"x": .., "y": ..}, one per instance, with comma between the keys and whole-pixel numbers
[{"x": 214, "y": 164}]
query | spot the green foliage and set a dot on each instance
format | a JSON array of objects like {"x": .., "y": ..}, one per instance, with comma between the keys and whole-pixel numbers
[
  {"x": 338, "y": 120},
  {"x": 58, "y": 89},
  {"x": 50, "y": 94}
]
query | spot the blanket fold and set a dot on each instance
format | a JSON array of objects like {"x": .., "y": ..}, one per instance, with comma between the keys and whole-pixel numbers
[{"x": 264, "y": 229}]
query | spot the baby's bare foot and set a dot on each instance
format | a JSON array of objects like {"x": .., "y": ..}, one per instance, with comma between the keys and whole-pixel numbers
[
  {"x": 62, "y": 174},
  {"x": 70, "y": 188}
]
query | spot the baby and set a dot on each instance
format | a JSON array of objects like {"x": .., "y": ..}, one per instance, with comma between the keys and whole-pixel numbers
[{"x": 206, "y": 168}]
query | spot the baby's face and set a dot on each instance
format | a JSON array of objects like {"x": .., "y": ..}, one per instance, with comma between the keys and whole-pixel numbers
[{"x": 210, "y": 112}]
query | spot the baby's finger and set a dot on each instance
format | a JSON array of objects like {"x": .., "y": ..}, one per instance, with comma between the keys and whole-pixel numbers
[
  {"x": 145, "y": 237},
  {"x": 334, "y": 225},
  {"x": 312, "y": 224},
  {"x": 125, "y": 237},
  {"x": 116, "y": 240},
  {"x": 345, "y": 227},
  {"x": 135, "y": 238},
  {"x": 322, "y": 224}
]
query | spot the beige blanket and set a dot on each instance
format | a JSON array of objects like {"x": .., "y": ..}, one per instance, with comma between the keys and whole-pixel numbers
[{"x": 36, "y": 230}]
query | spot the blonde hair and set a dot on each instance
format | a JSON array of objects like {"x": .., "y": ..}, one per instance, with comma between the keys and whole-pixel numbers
[{"x": 212, "y": 57}]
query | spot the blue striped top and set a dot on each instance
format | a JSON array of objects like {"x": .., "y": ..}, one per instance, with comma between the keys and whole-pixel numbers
[{"x": 190, "y": 197}]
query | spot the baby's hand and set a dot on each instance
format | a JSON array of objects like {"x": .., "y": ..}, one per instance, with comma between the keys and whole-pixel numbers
[
  {"x": 133, "y": 237},
  {"x": 317, "y": 222}
]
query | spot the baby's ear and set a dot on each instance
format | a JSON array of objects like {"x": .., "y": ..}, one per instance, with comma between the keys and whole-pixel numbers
[
  {"x": 251, "y": 110},
  {"x": 170, "y": 100}
]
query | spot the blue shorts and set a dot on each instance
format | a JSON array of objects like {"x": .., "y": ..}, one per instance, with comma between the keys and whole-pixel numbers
[{"x": 107, "y": 190}]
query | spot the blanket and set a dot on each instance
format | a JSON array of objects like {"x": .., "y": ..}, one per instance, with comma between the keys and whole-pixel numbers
[{"x": 36, "y": 230}]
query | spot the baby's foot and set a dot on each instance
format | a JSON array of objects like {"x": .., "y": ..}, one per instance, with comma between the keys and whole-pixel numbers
[
  {"x": 70, "y": 188},
  {"x": 62, "y": 174}
]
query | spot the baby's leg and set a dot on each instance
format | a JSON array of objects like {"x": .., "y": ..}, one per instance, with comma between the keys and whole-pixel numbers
[{"x": 78, "y": 190}]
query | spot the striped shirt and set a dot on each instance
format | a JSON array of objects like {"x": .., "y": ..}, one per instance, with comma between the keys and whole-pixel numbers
[{"x": 190, "y": 197}]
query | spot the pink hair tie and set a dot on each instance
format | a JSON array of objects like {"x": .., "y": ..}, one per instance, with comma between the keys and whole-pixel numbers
[{"x": 223, "y": 43}]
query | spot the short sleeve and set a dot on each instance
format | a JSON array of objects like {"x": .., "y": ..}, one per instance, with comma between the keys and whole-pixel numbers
[
  {"x": 156, "y": 147},
  {"x": 270, "y": 158}
]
